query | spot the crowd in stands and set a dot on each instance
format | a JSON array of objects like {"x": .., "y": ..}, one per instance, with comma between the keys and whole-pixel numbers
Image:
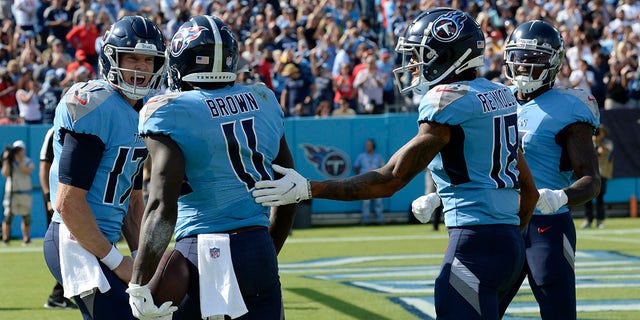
[{"x": 322, "y": 58}]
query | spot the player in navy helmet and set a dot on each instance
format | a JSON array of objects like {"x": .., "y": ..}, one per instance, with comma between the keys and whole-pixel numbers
[
  {"x": 467, "y": 137},
  {"x": 436, "y": 46},
  {"x": 210, "y": 141},
  {"x": 95, "y": 179},
  {"x": 133, "y": 34},
  {"x": 556, "y": 125}
]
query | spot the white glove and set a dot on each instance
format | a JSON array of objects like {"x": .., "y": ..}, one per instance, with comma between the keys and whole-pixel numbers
[
  {"x": 142, "y": 304},
  {"x": 424, "y": 206},
  {"x": 551, "y": 200},
  {"x": 289, "y": 189}
]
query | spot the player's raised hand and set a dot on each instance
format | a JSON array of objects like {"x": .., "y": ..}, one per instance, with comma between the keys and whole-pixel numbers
[
  {"x": 144, "y": 308},
  {"x": 289, "y": 189},
  {"x": 551, "y": 200},
  {"x": 424, "y": 206}
]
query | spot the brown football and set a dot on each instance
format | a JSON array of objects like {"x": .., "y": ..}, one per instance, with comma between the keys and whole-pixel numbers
[{"x": 171, "y": 280}]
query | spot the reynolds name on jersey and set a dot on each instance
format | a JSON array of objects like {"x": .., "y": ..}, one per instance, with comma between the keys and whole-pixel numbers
[{"x": 496, "y": 100}]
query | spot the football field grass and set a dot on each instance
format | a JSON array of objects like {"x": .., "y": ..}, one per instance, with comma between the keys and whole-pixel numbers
[{"x": 374, "y": 272}]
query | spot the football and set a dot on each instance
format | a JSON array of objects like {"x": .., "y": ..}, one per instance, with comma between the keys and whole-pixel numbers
[{"x": 171, "y": 280}]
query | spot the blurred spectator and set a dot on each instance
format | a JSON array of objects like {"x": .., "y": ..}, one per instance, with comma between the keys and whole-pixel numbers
[
  {"x": 366, "y": 161},
  {"x": 600, "y": 68},
  {"x": 298, "y": 91},
  {"x": 9, "y": 104},
  {"x": 369, "y": 82},
  {"x": 582, "y": 78},
  {"x": 570, "y": 16},
  {"x": 604, "y": 149},
  {"x": 5, "y": 55},
  {"x": 27, "y": 98},
  {"x": 84, "y": 36},
  {"x": 108, "y": 7},
  {"x": 80, "y": 11},
  {"x": 323, "y": 109},
  {"x": 24, "y": 12},
  {"x": 81, "y": 61},
  {"x": 82, "y": 74},
  {"x": 494, "y": 73},
  {"x": 324, "y": 87},
  {"x": 55, "y": 56},
  {"x": 385, "y": 66},
  {"x": 343, "y": 86},
  {"x": 49, "y": 96},
  {"x": 17, "y": 169},
  {"x": 265, "y": 68},
  {"x": 633, "y": 81},
  {"x": 5, "y": 9},
  {"x": 58, "y": 18},
  {"x": 343, "y": 109},
  {"x": 616, "y": 81},
  {"x": 562, "y": 79}
]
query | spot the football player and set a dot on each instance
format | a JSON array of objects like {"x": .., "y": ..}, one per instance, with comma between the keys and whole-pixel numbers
[
  {"x": 211, "y": 140},
  {"x": 467, "y": 135},
  {"x": 95, "y": 179},
  {"x": 556, "y": 126}
]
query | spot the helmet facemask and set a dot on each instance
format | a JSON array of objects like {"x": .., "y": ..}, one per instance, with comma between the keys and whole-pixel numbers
[
  {"x": 154, "y": 80},
  {"x": 531, "y": 66}
]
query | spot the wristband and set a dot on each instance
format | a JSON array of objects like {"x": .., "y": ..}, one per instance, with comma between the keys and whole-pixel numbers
[
  {"x": 308, "y": 189},
  {"x": 47, "y": 197},
  {"x": 113, "y": 259}
]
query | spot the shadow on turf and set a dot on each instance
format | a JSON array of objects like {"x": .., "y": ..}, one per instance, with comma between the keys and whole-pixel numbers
[{"x": 337, "y": 304}]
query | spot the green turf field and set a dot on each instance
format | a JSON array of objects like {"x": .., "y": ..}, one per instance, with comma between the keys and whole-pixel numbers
[{"x": 377, "y": 272}]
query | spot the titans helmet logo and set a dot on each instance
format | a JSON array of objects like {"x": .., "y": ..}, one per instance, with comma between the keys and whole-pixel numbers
[
  {"x": 330, "y": 162},
  {"x": 183, "y": 37},
  {"x": 447, "y": 27}
]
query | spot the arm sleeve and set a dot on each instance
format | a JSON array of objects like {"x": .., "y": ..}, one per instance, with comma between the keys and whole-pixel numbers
[{"x": 80, "y": 158}]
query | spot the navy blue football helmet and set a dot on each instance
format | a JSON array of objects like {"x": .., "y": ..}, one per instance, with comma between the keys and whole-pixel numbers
[
  {"x": 533, "y": 55},
  {"x": 439, "y": 44},
  {"x": 204, "y": 49},
  {"x": 133, "y": 34}
]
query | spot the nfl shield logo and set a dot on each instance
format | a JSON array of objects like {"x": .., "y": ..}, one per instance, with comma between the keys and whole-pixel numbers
[{"x": 214, "y": 252}]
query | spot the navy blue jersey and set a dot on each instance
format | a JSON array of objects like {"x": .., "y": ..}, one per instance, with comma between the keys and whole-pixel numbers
[
  {"x": 95, "y": 108},
  {"x": 541, "y": 121},
  {"x": 475, "y": 172},
  {"x": 229, "y": 138}
]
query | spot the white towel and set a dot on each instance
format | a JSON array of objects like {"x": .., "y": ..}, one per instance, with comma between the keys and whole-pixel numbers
[
  {"x": 219, "y": 291},
  {"x": 81, "y": 272}
]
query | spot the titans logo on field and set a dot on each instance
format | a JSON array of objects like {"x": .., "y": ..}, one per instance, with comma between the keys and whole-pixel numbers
[
  {"x": 183, "y": 37},
  {"x": 447, "y": 27},
  {"x": 330, "y": 162}
]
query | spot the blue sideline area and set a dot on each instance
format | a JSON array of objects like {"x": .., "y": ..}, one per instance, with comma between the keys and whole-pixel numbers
[{"x": 322, "y": 149}]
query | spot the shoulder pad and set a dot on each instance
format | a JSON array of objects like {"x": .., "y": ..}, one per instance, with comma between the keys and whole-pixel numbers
[
  {"x": 85, "y": 97},
  {"x": 158, "y": 102},
  {"x": 585, "y": 97},
  {"x": 443, "y": 95}
]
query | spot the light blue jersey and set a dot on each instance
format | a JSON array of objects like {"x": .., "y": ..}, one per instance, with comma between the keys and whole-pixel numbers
[
  {"x": 475, "y": 172},
  {"x": 95, "y": 108},
  {"x": 229, "y": 138},
  {"x": 541, "y": 121}
]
